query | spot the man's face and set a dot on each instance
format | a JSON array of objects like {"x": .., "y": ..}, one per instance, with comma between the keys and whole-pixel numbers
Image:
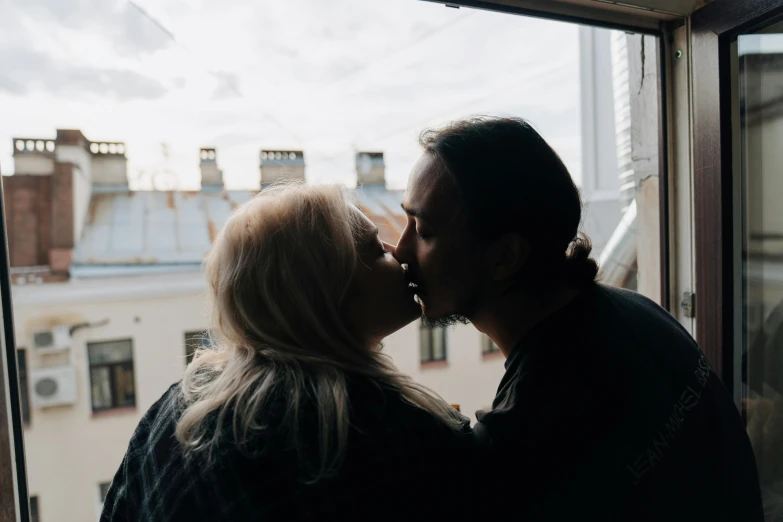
[{"x": 438, "y": 246}]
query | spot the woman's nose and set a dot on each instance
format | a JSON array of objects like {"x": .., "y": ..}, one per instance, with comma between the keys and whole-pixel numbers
[{"x": 392, "y": 249}]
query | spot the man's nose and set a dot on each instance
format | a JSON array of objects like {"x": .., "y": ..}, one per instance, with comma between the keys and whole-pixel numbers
[{"x": 403, "y": 252}]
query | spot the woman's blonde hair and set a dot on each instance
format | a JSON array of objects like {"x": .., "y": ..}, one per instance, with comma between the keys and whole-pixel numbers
[{"x": 278, "y": 274}]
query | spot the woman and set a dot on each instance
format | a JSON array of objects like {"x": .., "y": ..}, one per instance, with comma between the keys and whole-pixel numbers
[{"x": 296, "y": 415}]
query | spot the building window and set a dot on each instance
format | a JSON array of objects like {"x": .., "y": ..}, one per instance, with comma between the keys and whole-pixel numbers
[
  {"x": 432, "y": 343},
  {"x": 111, "y": 374},
  {"x": 103, "y": 490},
  {"x": 196, "y": 341},
  {"x": 488, "y": 346},
  {"x": 34, "y": 509},
  {"x": 24, "y": 396}
]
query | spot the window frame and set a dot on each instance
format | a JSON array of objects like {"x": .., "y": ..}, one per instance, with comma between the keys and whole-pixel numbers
[
  {"x": 713, "y": 29},
  {"x": 110, "y": 366},
  {"x": 13, "y": 478},
  {"x": 35, "y": 513},
  {"x": 195, "y": 335},
  {"x": 101, "y": 497},
  {"x": 24, "y": 385},
  {"x": 488, "y": 346},
  {"x": 429, "y": 333}
]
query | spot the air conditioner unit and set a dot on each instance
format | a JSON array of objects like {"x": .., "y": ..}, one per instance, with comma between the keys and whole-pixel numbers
[
  {"x": 55, "y": 339},
  {"x": 53, "y": 386}
]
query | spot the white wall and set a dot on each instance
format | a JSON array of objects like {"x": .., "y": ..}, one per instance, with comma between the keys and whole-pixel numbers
[
  {"x": 600, "y": 175},
  {"x": 468, "y": 379},
  {"x": 111, "y": 169},
  {"x": 36, "y": 164},
  {"x": 70, "y": 450}
]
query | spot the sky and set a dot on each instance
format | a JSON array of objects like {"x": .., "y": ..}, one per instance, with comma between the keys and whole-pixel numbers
[{"x": 331, "y": 78}]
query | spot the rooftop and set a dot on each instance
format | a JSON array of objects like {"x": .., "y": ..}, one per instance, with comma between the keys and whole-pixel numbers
[{"x": 132, "y": 232}]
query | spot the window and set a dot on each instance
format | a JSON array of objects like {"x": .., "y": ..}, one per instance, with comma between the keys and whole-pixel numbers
[
  {"x": 488, "y": 346},
  {"x": 758, "y": 360},
  {"x": 103, "y": 490},
  {"x": 195, "y": 341},
  {"x": 111, "y": 374},
  {"x": 432, "y": 343},
  {"x": 34, "y": 509},
  {"x": 24, "y": 396}
]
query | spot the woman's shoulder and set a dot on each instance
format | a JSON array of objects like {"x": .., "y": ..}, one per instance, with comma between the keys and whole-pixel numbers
[
  {"x": 380, "y": 411},
  {"x": 155, "y": 432}
]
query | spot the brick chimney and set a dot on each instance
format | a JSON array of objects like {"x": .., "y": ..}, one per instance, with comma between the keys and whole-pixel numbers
[
  {"x": 211, "y": 175},
  {"x": 48, "y": 197},
  {"x": 279, "y": 165},
  {"x": 109, "y": 164},
  {"x": 40, "y": 209},
  {"x": 370, "y": 169}
]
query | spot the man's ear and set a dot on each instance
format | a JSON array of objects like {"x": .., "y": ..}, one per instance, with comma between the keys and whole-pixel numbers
[{"x": 507, "y": 254}]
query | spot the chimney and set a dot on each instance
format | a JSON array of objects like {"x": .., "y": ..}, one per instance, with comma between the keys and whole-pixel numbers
[
  {"x": 370, "y": 169},
  {"x": 33, "y": 156},
  {"x": 279, "y": 165},
  {"x": 109, "y": 164},
  {"x": 41, "y": 207},
  {"x": 211, "y": 175}
]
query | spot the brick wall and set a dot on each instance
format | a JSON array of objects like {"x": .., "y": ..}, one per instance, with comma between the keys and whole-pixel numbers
[
  {"x": 39, "y": 218},
  {"x": 27, "y": 202},
  {"x": 62, "y": 206}
]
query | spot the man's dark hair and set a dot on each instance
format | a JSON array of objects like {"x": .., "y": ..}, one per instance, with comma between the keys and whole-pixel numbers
[{"x": 511, "y": 180}]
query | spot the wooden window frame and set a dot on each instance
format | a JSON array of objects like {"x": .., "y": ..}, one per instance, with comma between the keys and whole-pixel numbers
[
  {"x": 713, "y": 28},
  {"x": 91, "y": 367}
]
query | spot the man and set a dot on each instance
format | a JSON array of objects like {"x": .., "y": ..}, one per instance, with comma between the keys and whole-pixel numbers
[{"x": 608, "y": 409}]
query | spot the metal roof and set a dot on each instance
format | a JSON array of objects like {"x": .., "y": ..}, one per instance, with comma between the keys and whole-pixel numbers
[
  {"x": 133, "y": 228},
  {"x": 132, "y": 232}
]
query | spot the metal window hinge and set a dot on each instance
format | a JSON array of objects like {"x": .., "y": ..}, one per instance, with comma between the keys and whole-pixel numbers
[{"x": 688, "y": 304}]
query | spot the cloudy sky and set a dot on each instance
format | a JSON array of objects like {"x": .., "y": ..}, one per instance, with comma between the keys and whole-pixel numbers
[{"x": 330, "y": 77}]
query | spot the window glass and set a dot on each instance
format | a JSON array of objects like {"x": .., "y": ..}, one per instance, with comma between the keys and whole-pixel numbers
[
  {"x": 110, "y": 352},
  {"x": 438, "y": 344},
  {"x": 34, "y": 516},
  {"x": 195, "y": 341},
  {"x": 169, "y": 121},
  {"x": 111, "y": 374},
  {"x": 487, "y": 345},
  {"x": 432, "y": 343},
  {"x": 760, "y": 90},
  {"x": 425, "y": 343}
]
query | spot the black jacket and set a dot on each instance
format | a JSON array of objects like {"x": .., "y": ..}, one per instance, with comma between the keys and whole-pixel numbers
[
  {"x": 400, "y": 463},
  {"x": 609, "y": 411}
]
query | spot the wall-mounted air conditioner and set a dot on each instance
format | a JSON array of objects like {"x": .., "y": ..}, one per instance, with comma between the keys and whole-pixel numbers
[
  {"x": 53, "y": 386},
  {"x": 55, "y": 339}
]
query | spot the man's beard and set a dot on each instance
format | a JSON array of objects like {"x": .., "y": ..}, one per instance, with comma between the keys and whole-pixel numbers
[
  {"x": 444, "y": 322},
  {"x": 451, "y": 319}
]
